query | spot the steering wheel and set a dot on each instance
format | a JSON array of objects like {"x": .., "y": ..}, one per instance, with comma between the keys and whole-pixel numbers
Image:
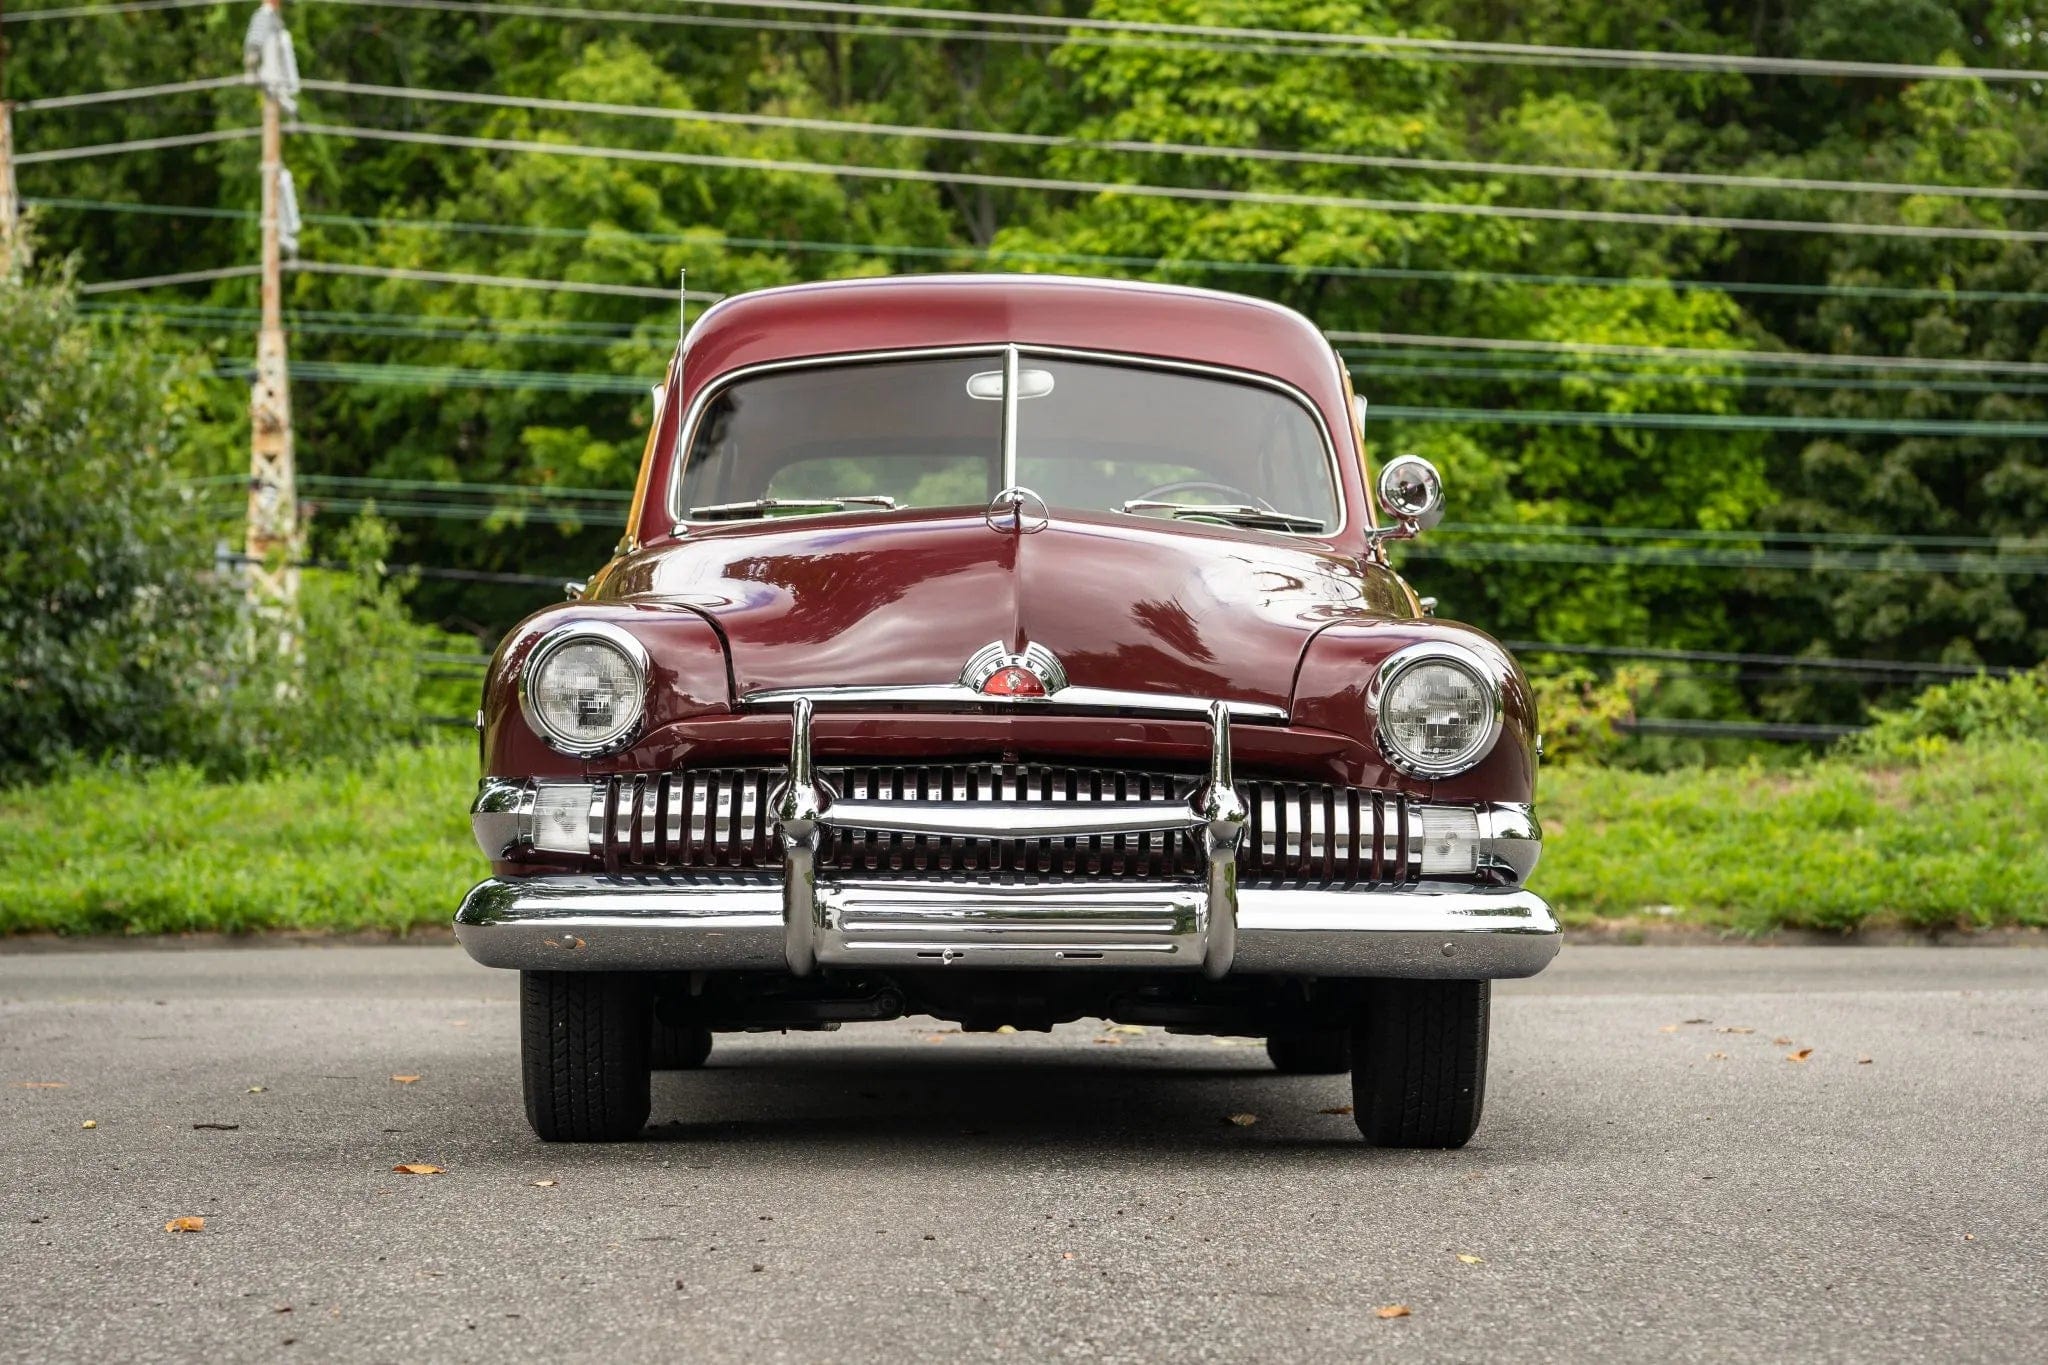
[{"x": 1231, "y": 493}]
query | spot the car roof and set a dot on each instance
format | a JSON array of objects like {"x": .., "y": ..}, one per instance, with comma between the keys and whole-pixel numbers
[{"x": 1174, "y": 322}]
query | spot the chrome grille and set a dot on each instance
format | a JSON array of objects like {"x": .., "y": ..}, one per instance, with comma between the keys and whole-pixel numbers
[{"x": 716, "y": 819}]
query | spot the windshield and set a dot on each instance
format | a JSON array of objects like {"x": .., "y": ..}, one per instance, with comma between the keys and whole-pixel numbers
[{"x": 1093, "y": 435}]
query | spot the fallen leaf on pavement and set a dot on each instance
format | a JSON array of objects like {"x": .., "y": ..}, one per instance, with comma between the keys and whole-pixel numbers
[
  {"x": 417, "y": 1168},
  {"x": 1394, "y": 1310},
  {"x": 1235, "y": 1042},
  {"x": 1717, "y": 1056},
  {"x": 1863, "y": 1061},
  {"x": 1782, "y": 1042},
  {"x": 544, "y": 1184},
  {"x": 405, "y": 1080},
  {"x": 218, "y": 1127},
  {"x": 186, "y": 1225},
  {"x": 90, "y": 1123},
  {"x": 1242, "y": 1120},
  {"x": 1800, "y": 1055},
  {"x": 935, "y": 1037},
  {"x": 1066, "y": 1255},
  {"x": 1126, "y": 1028},
  {"x": 1469, "y": 1259},
  {"x": 1734, "y": 1028},
  {"x": 1006, "y": 1028},
  {"x": 257, "y": 1089},
  {"x": 1110, "y": 1042},
  {"x": 1339, "y": 1109},
  {"x": 1698, "y": 1021},
  {"x": 1668, "y": 1028},
  {"x": 44, "y": 1085}
]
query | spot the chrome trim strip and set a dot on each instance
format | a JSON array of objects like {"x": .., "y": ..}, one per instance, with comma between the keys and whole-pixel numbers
[
  {"x": 671, "y": 924},
  {"x": 1009, "y": 456},
  {"x": 1013, "y": 819},
  {"x": 1074, "y": 700},
  {"x": 686, "y": 428}
]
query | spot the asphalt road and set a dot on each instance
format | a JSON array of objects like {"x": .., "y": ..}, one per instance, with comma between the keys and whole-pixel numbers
[{"x": 1654, "y": 1180}]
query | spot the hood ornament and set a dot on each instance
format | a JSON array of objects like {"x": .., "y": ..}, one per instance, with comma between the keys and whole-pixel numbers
[{"x": 994, "y": 671}]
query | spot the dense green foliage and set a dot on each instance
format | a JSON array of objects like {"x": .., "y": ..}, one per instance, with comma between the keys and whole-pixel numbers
[
  {"x": 1834, "y": 844},
  {"x": 119, "y": 633},
  {"x": 1982, "y": 709},
  {"x": 516, "y": 213}
]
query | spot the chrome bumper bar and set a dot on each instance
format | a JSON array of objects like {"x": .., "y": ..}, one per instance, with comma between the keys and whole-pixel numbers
[
  {"x": 673, "y": 924},
  {"x": 1212, "y": 925}
]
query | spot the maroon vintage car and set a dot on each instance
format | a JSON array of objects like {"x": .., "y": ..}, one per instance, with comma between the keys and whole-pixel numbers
[{"x": 1012, "y": 650}]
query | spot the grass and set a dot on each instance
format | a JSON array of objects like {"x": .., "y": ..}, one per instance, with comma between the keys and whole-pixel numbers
[{"x": 1954, "y": 841}]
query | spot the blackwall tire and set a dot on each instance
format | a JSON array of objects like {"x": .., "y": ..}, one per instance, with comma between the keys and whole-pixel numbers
[
  {"x": 1326, "y": 1052},
  {"x": 583, "y": 1042},
  {"x": 1418, "y": 1062}
]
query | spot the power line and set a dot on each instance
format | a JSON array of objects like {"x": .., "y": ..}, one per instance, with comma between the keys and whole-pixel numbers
[
  {"x": 392, "y": 272},
  {"x": 1719, "y": 656},
  {"x": 1178, "y": 149},
  {"x": 1400, "y": 367},
  {"x": 1732, "y": 357},
  {"x": 1712, "y": 421},
  {"x": 1229, "y": 38},
  {"x": 1190, "y": 193},
  {"x": 1738, "y": 729},
  {"x": 29, "y": 16},
  {"x": 146, "y": 144},
  {"x": 225, "y": 272},
  {"x": 134, "y": 92},
  {"x": 997, "y": 254},
  {"x": 1651, "y": 556},
  {"x": 1686, "y": 533}
]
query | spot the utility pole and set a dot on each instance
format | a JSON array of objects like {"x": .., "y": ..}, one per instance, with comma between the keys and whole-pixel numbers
[
  {"x": 273, "y": 486},
  {"x": 13, "y": 250},
  {"x": 11, "y": 246}
]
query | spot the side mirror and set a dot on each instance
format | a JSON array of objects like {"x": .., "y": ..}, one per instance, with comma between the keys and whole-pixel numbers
[{"x": 1412, "y": 493}]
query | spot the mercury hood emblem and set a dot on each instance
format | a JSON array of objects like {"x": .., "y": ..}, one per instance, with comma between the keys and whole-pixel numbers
[{"x": 994, "y": 671}]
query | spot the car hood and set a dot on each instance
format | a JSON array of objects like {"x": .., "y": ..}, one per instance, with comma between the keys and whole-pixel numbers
[{"x": 906, "y": 598}]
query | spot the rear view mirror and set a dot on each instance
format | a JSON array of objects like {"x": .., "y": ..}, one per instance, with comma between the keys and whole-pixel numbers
[{"x": 988, "y": 385}]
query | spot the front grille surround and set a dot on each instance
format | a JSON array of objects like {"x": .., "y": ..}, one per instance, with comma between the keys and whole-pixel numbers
[{"x": 716, "y": 820}]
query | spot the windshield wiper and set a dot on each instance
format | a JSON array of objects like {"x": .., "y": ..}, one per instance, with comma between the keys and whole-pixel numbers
[
  {"x": 1237, "y": 514},
  {"x": 726, "y": 511}
]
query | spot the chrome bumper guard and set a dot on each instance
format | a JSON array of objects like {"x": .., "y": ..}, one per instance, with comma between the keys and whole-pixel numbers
[{"x": 1430, "y": 929}]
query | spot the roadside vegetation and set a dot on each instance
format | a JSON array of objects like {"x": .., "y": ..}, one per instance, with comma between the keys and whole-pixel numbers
[{"x": 1915, "y": 827}]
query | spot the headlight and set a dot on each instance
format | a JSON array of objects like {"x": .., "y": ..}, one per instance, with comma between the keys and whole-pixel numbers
[
  {"x": 584, "y": 688},
  {"x": 1439, "y": 709}
]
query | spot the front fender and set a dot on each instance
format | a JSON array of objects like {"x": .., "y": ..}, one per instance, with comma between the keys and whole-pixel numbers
[
  {"x": 1338, "y": 666},
  {"x": 690, "y": 678}
]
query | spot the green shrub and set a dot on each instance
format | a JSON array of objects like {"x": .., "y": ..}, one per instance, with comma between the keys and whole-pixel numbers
[
  {"x": 1578, "y": 711},
  {"x": 1982, "y": 708},
  {"x": 120, "y": 638}
]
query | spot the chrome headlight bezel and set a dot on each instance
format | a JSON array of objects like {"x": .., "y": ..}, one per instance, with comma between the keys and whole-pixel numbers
[
  {"x": 603, "y": 633},
  {"x": 1486, "y": 673}
]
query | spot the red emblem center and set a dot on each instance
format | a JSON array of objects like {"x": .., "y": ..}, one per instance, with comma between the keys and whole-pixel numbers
[{"x": 1013, "y": 682}]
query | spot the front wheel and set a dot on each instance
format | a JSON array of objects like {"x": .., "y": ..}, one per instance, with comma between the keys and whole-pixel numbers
[
  {"x": 583, "y": 1045},
  {"x": 1418, "y": 1062}
]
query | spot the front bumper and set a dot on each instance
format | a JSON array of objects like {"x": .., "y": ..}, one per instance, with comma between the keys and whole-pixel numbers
[
  {"x": 677, "y": 924},
  {"x": 801, "y": 920}
]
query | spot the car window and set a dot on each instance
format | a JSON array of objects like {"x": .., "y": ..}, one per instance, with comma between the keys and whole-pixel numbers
[
  {"x": 1105, "y": 435},
  {"x": 906, "y": 430},
  {"x": 1091, "y": 434}
]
